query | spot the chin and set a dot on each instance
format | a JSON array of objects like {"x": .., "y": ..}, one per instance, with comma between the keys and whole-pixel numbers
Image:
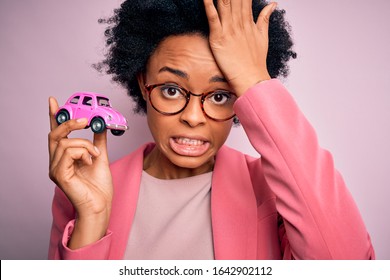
[{"x": 188, "y": 162}]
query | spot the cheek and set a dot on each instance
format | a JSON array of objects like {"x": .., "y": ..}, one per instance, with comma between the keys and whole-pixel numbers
[
  {"x": 221, "y": 131},
  {"x": 152, "y": 121},
  {"x": 159, "y": 125}
]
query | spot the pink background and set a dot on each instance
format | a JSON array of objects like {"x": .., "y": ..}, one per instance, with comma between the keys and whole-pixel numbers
[{"x": 340, "y": 80}]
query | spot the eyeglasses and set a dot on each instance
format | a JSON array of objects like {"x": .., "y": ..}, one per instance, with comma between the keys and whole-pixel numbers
[{"x": 171, "y": 99}]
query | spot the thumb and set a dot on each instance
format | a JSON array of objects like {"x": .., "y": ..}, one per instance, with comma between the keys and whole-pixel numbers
[
  {"x": 263, "y": 19},
  {"x": 53, "y": 108},
  {"x": 100, "y": 141}
]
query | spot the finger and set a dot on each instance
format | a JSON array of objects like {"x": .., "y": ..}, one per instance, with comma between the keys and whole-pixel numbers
[
  {"x": 212, "y": 16},
  {"x": 53, "y": 108},
  {"x": 100, "y": 142},
  {"x": 63, "y": 131},
  {"x": 76, "y": 143},
  {"x": 65, "y": 167},
  {"x": 236, "y": 11},
  {"x": 263, "y": 19},
  {"x": 225, "y": 11},
  {"x": 247, "y": 10}
]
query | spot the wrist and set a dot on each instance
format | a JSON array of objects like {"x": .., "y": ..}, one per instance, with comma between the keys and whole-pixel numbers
[
  {"x": 88, "y": 230},
  {"x": 249, "y": 81}
]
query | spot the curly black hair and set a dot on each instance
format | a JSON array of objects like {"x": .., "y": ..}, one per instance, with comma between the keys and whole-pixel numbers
[{"x": 138, "y": 26}]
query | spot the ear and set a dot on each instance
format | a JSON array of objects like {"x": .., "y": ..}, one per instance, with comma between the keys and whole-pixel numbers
[{"x": 141, "y": 84}]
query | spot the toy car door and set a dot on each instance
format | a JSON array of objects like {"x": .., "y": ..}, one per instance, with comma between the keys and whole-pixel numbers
[{"x": 85, "y": 107}]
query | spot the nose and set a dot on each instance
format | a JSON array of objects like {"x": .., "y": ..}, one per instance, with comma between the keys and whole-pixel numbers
[{"x": 193, "y": 114}]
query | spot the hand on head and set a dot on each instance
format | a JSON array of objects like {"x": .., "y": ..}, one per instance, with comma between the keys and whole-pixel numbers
[{"x": 239, "y": 44}]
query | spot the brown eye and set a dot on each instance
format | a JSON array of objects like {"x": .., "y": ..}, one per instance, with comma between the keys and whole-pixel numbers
[
  {"x": 171, "y": 92},
  {"x": 219, "y": 98}
]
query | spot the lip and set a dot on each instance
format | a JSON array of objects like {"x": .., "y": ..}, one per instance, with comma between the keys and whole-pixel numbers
[{"x": 186, "y": 145}]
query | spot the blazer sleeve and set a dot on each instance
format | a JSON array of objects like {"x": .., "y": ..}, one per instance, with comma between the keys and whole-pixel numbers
[
  {"x": 63, "y": 223},
  {"x": 320, "y": 218}
]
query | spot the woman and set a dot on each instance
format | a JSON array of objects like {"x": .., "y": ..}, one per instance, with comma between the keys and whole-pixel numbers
[{"x": 194, "y": 68}]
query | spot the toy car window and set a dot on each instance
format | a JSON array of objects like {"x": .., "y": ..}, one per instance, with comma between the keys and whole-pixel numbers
[
  {"x": 87, "y": 101},
  {"x": 75, "y": 100},
  {"x": 103, "y": 102}
]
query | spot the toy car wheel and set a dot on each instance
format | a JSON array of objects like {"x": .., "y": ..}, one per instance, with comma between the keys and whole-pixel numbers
[
  {"x": 117, "y": 132},
  {"x": 62, "y": 116},
  {"x": 98, "y": 125}
]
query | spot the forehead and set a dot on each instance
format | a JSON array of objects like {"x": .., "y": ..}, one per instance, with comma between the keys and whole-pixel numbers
[{"x": 189, "y": 53}]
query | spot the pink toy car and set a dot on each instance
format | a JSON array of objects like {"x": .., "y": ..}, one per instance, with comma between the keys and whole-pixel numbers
[{"x": 97, "y": 109}]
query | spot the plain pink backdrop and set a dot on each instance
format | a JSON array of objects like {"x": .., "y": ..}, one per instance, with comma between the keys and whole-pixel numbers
[{"x": 340, "y": 80}]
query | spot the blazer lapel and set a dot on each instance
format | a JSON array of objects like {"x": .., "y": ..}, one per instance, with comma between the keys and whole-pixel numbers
[
  {"x": 233, "y": 207},
  {"x": 126, "y": 175}
]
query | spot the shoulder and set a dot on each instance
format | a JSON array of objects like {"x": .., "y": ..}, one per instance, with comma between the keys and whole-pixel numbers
[
  {"x": 134, "y": 157},
  {"x": 227, "y": 151},
  {"x": 129, "y": 168},
  {"x": 235, "y": 157},
  {"x": 247, "y": 166}
]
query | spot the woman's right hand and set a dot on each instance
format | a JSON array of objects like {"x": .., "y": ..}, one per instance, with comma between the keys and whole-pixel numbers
[{"x": 81, "y": 170}]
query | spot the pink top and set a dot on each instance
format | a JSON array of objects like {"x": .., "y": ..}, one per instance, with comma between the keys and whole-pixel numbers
[{"x": 172, "y": 220}]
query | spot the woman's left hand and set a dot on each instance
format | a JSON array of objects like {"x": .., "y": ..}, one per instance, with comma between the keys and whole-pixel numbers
[{"x": 239, "y": 44}]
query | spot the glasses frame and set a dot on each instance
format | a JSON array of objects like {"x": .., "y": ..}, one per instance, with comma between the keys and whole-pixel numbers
[{"x": 203, "y": 96}]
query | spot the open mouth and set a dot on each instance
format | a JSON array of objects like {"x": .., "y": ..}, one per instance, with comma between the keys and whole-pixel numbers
[{"x": 188, "y": 146}]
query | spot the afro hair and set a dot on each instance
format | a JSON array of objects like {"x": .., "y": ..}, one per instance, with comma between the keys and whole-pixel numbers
[{"x": 138, "y": 26}]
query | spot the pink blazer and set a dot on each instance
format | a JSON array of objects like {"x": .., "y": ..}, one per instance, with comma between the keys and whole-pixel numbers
[{"x": 290, "y": 203}]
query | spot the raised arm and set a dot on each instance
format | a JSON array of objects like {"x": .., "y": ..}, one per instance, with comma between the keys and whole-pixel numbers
[
  {"x": 320, "y": 217},
  {"x": 80, "y": 169}
]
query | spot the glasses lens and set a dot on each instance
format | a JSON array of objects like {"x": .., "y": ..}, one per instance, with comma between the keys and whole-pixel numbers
[
  {"x": 219, "y": 105},
  {"x": 168, "y": 99}
]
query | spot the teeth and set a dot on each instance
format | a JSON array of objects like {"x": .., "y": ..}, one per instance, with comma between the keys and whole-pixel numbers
[{"x": 188, "y": 141}]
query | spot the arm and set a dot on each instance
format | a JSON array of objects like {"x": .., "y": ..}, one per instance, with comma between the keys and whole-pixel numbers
[
  {"x": 81, "y": 171},
  {"x": 320, "y": 217},
  {"x": 62, "y": 229}
]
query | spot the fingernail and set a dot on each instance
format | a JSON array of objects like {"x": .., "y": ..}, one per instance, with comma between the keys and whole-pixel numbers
[
  {"x": 97, "y": 150},
  {"x": 81, "y": 120}
]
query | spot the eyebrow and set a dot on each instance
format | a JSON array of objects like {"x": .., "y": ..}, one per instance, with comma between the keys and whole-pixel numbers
[
  {"x": 217, "y": 78},
  {"x": 183, "y": 74},
  {"x": 177, "y": 72}
]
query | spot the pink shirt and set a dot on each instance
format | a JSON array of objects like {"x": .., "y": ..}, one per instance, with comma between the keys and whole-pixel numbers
[{"x": 172, "y": 219}]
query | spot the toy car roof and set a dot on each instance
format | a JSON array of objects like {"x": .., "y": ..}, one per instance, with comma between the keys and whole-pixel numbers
[{"x": 87, "y": 93}]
